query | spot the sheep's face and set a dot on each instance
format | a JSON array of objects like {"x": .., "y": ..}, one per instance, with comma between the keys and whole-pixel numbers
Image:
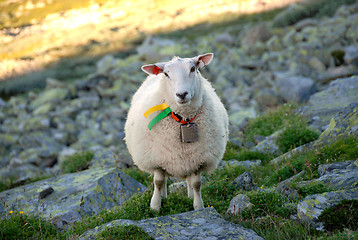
[{"x": 181, "y": 76}]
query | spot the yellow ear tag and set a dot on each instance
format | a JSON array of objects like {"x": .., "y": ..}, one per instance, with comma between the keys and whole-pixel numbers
[{"x": 160, "y": 116}]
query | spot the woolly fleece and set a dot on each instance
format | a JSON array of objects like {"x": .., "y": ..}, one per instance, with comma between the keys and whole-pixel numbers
[{"x": 161, "y": 147}]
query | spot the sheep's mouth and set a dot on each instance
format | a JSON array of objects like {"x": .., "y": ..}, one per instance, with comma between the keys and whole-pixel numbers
[{"x": 183, "y": 102}]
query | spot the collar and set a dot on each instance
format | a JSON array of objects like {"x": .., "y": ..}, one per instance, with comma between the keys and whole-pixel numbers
[{"x": 166, "y": 111}]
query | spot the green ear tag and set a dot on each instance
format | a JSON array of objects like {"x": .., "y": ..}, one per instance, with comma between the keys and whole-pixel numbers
[{"x": 159, "y": 117}]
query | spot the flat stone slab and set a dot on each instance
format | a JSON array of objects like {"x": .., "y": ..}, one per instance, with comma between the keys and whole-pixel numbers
[
  {"x": 73, "y": 195},
  {"x": 201, "y": 224},
  {"x": 324, "y": 105}
]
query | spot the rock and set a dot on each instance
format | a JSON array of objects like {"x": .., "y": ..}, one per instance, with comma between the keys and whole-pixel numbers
[
  {"x": 285, "y": 188},
  {"x": 238, "y": 204},
  {"x": 333, "y": 73},
  {"x": 47, "y": 191},
  {"x": 258, "y": 33},
  {"x": 351, "y": 55},
  {"x": 54, "y": 96},
  {"x": 308, "y": 22},
  {"x": 75, "y": 195},
  {"x": 105, "y": 64},
  {"x": 224, "y": 38},
  {"x": 178, "y": 186},
  {"x": 106, "y": 159},
  {"x": 246, "y": 164},
  {"x": 324, "y": 105},
  {"x": 340, "y": 175},
  {"x": 245, "y": 182},
  {"x": 285, "y": 17},
  {"x": 150, "y": 48},
  {"x": 201, "y": 224},
  {"x": 309, "y": 209},
  {"x": 295, "y": 88},
  {"x": 345, "y": 123}
]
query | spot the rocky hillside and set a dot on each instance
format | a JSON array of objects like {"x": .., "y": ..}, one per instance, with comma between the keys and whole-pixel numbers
[{"x": 256, "y": 68}]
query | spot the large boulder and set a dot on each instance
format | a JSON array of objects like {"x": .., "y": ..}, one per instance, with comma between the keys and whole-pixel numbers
[
  {"x": 73, "y": 195},
  {"x": 309, "y": 209},
  {"x": 324, "y": 105},
  {"x": 201, "y": 224},
  {"x": 343, "y": 124}
]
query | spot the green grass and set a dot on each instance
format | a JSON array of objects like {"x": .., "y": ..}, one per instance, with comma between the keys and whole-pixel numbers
[
  {"x": 343, "y": 215},
  {"x": 242, "y": 154},
  {"x": 266, "y": 203},
  {"x": 124, "y": 232},
  {"x": 295, "y": 136},
  {"x": 343, "y": 149},
  {"x": 271, "y": 122},
  {"x": 312, "y": 188},
  {"x": 77, "y": 162},
  {"x": 16, "y": 225}
]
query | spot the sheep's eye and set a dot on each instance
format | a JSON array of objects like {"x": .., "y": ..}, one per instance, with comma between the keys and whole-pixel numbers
[
  {"x": 192, "y": 69},
  {"x": 166, "y": 74}
]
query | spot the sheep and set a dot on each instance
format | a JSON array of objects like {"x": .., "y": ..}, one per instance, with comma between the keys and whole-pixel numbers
[{"x": 173, "y": 148}]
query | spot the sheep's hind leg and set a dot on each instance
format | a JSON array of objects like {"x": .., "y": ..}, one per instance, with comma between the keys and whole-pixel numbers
[
  {"x": 190, "y": 188},
  {"x": 163, "y": 191},
  {"x": 159, "y": 184},
  {"x": 195, "y": 183}
]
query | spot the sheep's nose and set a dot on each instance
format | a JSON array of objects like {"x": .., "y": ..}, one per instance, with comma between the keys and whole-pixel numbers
[{"x": 182, "y": 95}]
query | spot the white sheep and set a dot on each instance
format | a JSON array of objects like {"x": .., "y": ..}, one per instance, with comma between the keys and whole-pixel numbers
[{"x": 170, "y": 147}]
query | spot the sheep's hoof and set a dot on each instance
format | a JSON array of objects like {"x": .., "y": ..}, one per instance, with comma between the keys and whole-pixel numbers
[
  {"x": 198, "y": 205},
  {"x": 155, "y": 208},
  {"x": 155, "y": 204}
]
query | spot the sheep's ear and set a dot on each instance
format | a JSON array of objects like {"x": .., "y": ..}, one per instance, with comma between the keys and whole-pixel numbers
[
  {"x": 153, "y": 68},
  {"x": 203, "y": 60}
]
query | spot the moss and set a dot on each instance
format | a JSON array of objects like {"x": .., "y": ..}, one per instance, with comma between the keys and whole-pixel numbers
[
  {"x": 343, "y": 215},
  {"x": 76, "y": 162},
  {"x": 124, "y": 232}
]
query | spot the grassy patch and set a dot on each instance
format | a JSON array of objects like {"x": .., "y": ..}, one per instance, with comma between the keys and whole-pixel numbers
[
  {"x": 266, "y": 203},
  {"x": 76, "y": 162},
  {"x": 343, "y": 149},
  {"x": 295, "y": 136},
  {"x": 271, "y": 122},
  {"x": 16, "y": 225},
  {"x": 125, "y": 232},
  {"x": 343, "y": 215},
  {"x": 242, "y": 154},
  {"x": 274, "y": 227},
  {"x": 312, "y": 188}
]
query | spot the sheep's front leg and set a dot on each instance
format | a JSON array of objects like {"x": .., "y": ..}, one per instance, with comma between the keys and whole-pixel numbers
[
  {"x": 194, "y": 189},
  {"x": 159, "y": 184}
]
